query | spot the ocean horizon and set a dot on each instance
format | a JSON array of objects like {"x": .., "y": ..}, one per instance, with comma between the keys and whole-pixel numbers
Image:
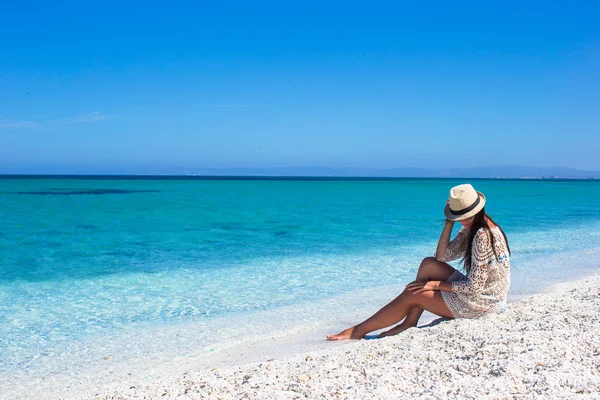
[
  {"x": 110, "y": 272},
  {"x": 279, "y": 177},
  {"x": 313, "y": 173}
]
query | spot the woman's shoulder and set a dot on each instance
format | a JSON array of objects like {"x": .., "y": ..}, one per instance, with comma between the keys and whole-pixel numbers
[
  {"x": 483, "y": 237},
  {"x": 482, "y": 232}
]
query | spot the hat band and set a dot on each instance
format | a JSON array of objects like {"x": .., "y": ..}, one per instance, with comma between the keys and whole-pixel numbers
[{"x": 466, "y": 210}]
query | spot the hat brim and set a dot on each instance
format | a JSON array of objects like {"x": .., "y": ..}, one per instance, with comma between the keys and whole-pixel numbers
[{"x": 452, "y": 217}]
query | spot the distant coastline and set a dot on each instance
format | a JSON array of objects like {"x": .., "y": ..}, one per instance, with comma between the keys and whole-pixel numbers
[
  {"x": 280, "y": 178},
  {"x": 489, "y": 172}
]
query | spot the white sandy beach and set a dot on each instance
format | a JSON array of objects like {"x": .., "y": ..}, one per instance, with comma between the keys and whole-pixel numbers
[{"x": 545, "y": 346}]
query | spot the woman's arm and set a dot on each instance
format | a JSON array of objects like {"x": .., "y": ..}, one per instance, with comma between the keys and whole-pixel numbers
[
  {"x": 444, "y": 241},
  {"x": 419, "y": 287},
  {"x": 455, "y": 249}
]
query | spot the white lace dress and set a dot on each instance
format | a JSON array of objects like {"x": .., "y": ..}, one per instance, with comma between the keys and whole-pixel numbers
[{"x": 485, "y": 287}]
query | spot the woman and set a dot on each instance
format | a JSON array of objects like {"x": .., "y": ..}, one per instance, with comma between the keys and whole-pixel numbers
[{"x": 441, "y": 289}]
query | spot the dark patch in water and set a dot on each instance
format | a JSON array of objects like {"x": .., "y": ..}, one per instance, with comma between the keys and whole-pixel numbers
[
  {"x": 121, "y": 253},
  {"x": 227, "y": 226},
  {"x": 281, "y": 233},
  {"x": 39, "y": 244},
  {"x": 292, "y": 226},
  {"x": 85, "y": 192},
  {"x": 193, "y": 229},
  {"x": 87, "y": 227},
  {"x": 584, "y": 213}
]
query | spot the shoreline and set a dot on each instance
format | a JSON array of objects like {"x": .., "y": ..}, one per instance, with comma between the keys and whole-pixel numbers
[{"x": 543, "y": 345}]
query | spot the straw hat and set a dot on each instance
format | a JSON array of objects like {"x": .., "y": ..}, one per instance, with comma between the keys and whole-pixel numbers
[{"x": 464, "y": 202}]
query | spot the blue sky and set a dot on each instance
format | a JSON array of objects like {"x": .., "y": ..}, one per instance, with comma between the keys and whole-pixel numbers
[{"x": 148, "y": 87}]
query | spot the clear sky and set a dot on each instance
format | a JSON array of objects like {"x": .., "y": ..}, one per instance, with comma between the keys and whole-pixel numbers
[{"x": 147, "y": 86}]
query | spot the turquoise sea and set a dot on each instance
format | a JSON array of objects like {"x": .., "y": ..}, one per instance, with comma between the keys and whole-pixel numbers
[{"x": 96, "y": 269}]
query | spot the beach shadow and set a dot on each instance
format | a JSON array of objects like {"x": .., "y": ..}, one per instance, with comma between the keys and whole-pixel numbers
[{"x": 433, "y": 323}]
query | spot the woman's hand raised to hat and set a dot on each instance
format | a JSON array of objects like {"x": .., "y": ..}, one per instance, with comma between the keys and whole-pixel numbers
[{"x": 418, "y": 287}]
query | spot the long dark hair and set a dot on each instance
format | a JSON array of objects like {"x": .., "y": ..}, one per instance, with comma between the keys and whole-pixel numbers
[{"x": 480, "y": 220}]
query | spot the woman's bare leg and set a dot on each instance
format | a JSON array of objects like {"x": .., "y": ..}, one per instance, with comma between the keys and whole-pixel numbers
[
  {"x": 407, "y": 304},
  {"x": 396, "y": 310},
  {"x": 430, "y": 269}
]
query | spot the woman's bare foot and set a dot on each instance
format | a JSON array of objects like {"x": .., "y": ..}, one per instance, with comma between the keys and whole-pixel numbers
[
  {"x": 394, "y": 331},
  {"x": 350, "y": 333}
]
